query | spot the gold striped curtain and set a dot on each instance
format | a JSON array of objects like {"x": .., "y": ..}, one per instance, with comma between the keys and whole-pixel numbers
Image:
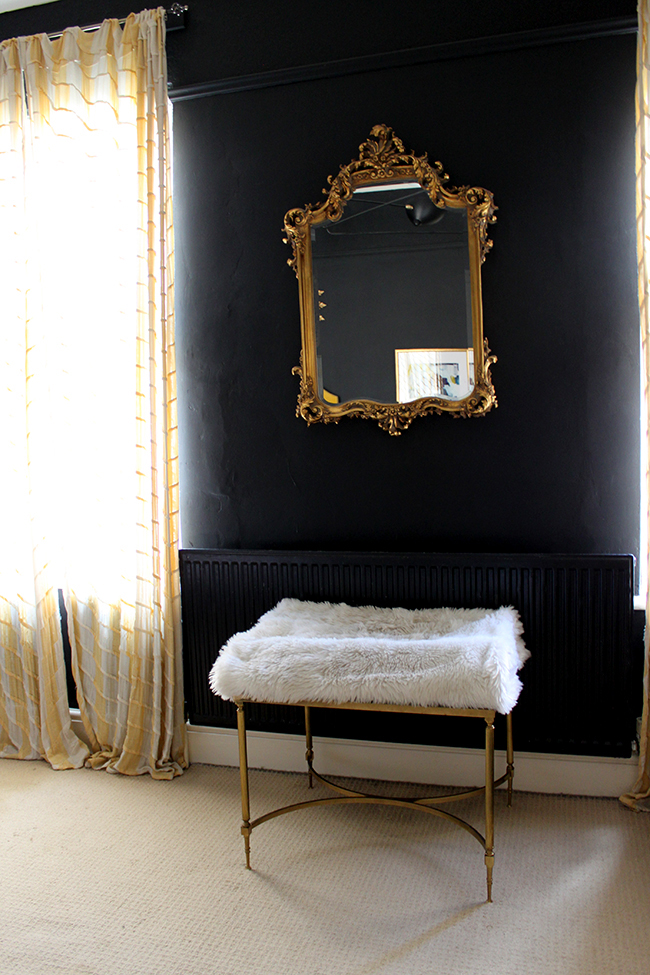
[
  {"x": 88, "y": 392},
  {"x": 639, "y": 798}
]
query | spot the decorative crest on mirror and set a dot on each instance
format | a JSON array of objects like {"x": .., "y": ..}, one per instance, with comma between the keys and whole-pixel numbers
[{"x": 389, "y": 275}]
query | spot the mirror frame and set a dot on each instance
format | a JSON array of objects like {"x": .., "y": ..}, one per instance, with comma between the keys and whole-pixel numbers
[{"x": 383, "y": 159}]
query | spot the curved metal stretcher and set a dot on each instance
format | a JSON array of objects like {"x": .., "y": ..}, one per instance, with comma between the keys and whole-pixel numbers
[{"x": 346, "y": 796}]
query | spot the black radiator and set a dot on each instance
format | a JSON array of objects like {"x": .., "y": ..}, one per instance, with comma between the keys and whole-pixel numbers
[{"x": 578, "y": 696}]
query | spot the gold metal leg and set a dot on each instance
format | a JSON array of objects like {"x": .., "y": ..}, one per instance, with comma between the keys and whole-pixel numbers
[
  {"x": 309, "y": 754},
  {"x": 428, "y": 805},
  {"x": 489, "y": 804},
  {"x": 510, "y": 755},
  {"x": 243, "y": 778}
]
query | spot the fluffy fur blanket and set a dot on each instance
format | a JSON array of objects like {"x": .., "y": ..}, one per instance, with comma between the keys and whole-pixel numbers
[{"x": 304, "y": 651}]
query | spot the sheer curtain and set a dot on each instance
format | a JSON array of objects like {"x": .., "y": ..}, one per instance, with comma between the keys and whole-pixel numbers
[
  {"x": 639, "y": 798},
  {"x": 88, "y": 434}
]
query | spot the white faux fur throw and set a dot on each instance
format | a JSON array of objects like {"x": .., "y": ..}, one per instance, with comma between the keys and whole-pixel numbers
[{"x": 304, "y": 651}]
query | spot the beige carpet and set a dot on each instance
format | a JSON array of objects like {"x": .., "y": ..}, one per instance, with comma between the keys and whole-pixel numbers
[{"x": 106, "y": 875}]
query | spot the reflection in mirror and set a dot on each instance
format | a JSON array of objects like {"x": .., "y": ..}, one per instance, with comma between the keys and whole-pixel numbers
[
  {"x": 389, "y": 274},
  {"x": 445, "y": 372},
  {"x": 392, "y": 249}
]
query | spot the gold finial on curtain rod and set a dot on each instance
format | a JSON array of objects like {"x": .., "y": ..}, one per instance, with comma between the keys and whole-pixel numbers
[{"x": 174, "y": 15}]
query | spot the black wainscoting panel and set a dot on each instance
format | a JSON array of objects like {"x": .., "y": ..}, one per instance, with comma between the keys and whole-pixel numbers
[{"x": 579, "y": 684}]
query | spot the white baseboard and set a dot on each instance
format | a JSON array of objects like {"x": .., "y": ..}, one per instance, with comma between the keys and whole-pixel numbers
[
  {"x": 561, "y": 774},
  {"x": 574, "y": 775}
]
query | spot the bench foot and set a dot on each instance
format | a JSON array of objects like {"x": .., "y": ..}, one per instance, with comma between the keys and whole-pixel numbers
[
  {"x": 246, "y": 833},
  {"x": 489, "y": 864}
]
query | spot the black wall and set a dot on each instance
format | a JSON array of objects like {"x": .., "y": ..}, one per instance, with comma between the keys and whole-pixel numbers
[{"x": 549, "y": 129}]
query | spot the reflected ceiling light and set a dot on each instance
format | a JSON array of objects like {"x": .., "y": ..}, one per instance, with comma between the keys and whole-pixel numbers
[{"x": 423, "y": 210}]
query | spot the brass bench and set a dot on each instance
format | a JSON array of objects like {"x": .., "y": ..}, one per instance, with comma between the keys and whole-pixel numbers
[{"x": 349, "y": 649}]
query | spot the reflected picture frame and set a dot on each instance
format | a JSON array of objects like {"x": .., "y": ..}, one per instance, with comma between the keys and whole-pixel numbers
[{"x": 444, "y": 373}]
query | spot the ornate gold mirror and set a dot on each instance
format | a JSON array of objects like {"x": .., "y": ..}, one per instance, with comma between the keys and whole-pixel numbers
[{"x": 389, "y": 275}]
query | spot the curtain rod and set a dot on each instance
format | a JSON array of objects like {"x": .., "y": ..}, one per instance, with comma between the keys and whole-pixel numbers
[{"x": 174, "y": 15}]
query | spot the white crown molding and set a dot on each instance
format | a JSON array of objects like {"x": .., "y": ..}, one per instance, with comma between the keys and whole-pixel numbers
[{"x": 7, "y": 5}]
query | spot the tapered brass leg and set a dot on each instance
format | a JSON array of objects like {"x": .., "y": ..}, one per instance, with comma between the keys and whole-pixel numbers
[
  {"x": 243, "y": 778},
  {"x": 489, "y": 804},
  {"x": 510, "y": 755},
  {"x": 309, "y": 754}
]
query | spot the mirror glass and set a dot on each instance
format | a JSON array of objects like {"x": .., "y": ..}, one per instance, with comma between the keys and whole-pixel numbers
[
  {"x": 389, "y": 275},
  {"x": 392, "y": 250}
]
